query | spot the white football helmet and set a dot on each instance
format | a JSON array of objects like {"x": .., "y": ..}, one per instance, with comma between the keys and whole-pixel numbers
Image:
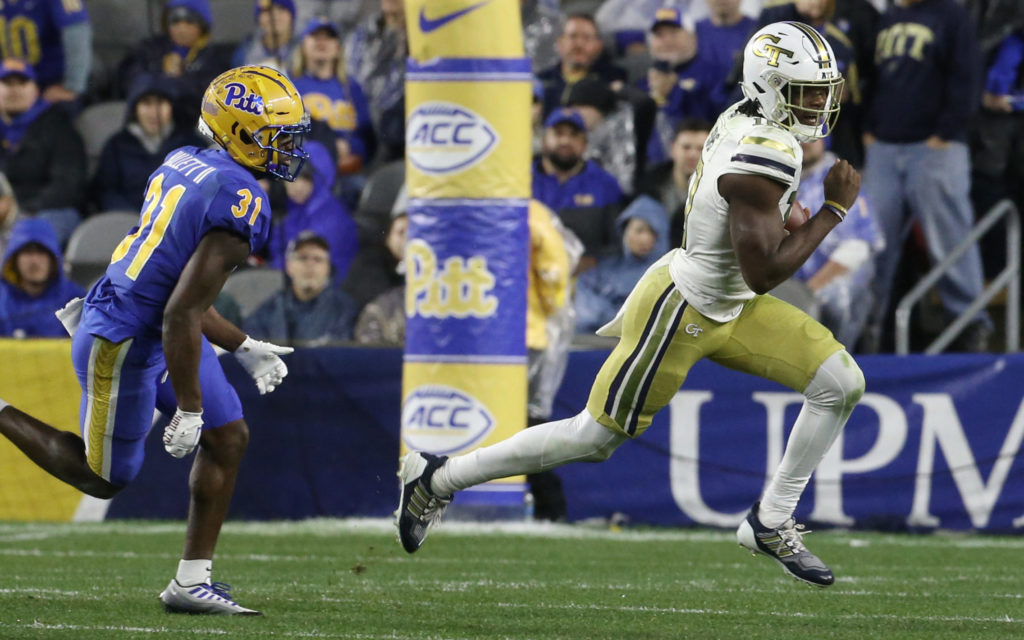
[{"x": 780, "y": 63}]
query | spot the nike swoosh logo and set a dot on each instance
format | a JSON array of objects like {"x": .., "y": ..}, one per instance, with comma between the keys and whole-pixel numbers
[{"x": 427, "y": 25}]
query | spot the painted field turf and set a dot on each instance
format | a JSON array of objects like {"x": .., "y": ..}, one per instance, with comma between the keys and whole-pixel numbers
[{"x": 350, "y": 579}]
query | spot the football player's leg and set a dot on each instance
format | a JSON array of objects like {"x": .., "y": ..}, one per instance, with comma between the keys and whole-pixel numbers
[
  {"x": 211, "y": 483},
  {"x": 115, "y": 416},
  {"x": 639, "y": 377},
  {"x": 224, "y": 439},
  {"x": 777, "y": 341}
]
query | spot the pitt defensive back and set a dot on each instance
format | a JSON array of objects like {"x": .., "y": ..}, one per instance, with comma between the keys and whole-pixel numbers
[
  {"x": 151, "y": 313},
  {"x": 707, "y": 300}
]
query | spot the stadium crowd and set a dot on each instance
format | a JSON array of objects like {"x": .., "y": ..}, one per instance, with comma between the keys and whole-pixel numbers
[{"x": 624, "y": 96}]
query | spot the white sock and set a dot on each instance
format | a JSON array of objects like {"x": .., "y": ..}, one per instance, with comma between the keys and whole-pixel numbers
[
  {"x": 830, "y": 398},
  {"x": 539, "y": 448},
  {"x": 192, "y": 572}
]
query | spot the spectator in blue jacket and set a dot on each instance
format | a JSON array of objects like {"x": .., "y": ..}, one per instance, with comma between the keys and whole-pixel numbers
[
  {"x": 33, "y": 285},
  {"x": 56, "y": 39},
  {"x": 332, "y": 96},
  {"x": 600, "y": 292},
  {"x": 840, "y": 270},
  {"x": 585, "y": 196},
  {"x": 312, "y": 207},
  {"x": 681, "y": 80},
  {"x": 129, "y": 157},
  {"x": 182, "y": 54},
  {"x": 997, "y": 139},
  {"x": 926, "y": 87},
  {"x": 311, "y": 310}
]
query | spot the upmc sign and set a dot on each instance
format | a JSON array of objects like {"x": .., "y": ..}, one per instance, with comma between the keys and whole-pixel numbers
[{"x": 933, "y": 443}]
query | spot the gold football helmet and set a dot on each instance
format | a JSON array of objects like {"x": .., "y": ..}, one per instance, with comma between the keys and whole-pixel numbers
[{"x": 256, "y": 114}]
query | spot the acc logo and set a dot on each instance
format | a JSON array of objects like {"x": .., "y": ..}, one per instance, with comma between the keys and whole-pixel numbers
[
  {"x": 443, "y": 138},
  {"x": 441, "y": 419},
  {"x": 239, "y": 97}
]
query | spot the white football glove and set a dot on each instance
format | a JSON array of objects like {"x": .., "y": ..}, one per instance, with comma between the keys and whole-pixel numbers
[
  {"x": 182, "y": 435},
  {"x": 262, "y": 361}
]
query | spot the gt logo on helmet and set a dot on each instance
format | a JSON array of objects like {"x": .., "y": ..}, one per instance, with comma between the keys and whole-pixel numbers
[
  {"x": 237, "y": 97},
  {"x": 769, "y": 50}
]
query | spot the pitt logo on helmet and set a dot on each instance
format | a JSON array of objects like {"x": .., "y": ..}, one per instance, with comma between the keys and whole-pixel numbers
[
  {"x": 239, "y": 97},
  {"x": 765, "y": 47}
]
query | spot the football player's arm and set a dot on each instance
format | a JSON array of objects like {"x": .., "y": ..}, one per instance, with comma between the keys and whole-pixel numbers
[
  {"x": 222, "y": 332},
  {"x": 217, "y": 255},
  {"x": 768, "y": 255}
]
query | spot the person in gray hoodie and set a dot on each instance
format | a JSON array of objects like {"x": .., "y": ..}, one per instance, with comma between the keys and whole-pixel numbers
[{"x": 602, "y": 290}]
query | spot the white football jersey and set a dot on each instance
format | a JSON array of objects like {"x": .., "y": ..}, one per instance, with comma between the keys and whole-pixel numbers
[{"x": 707, "y": 270}]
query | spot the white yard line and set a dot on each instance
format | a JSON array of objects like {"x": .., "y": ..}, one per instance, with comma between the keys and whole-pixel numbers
[
  {"x": 334, "y": 526},
  {"x": 249, "y": 633}
]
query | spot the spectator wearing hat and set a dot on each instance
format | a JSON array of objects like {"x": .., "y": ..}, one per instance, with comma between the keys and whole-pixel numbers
[
  {"x": 541, "y": 26},
  {"x": 42, "y": 153},
  {"x": 58, "y": 44},
  {"x": 611, "y": 130},
  {"x": 680, "y": 80},
  {"x": 182, "y": 55},
  {"x": 33, "y": 285},
  {"x": 312, "y": 207},
  {"x": 375, "y": 56},
  {"x": 273, "y": 40},
  {"x": 581, "y": 55},
  {"x": 627, "y": 21},
  {"x": 311, "y": 310},
  {"x": 347, "y": 14},
  {"x": 585, "y": 196},
  {"x": 132, "y": 154},
  {"x": 332, "y": 97},
  {"x": 9, "y": 213}
]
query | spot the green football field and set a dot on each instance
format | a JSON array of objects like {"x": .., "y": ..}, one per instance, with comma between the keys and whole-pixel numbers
[{"x": 350, "y": 579}]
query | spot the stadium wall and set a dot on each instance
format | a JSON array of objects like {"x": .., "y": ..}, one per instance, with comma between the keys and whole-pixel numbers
[{"x": 934, "y": 444}]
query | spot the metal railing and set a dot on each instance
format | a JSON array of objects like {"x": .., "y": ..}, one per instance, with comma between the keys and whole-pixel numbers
[{"x": 1008, "y": 278}]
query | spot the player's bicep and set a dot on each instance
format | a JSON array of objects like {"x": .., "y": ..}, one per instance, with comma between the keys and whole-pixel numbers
[
  {"x": 218, "y": 254},
  {"x": 755, "y": 220}
]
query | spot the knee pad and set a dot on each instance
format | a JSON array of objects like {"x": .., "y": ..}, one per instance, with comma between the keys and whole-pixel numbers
[
  {"x": 838, "y": 383},
  {"x": 601, "y": 440}
]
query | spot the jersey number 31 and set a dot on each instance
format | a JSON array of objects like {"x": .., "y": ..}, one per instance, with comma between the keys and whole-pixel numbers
[{"x": 155, "y": 228}]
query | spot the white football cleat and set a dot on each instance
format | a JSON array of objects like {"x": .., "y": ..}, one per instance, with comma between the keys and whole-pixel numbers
[{"x": 203, "y": 598}]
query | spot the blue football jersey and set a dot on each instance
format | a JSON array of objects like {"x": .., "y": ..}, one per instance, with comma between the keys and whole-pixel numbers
[
  {"x": 33, "y": 33},
  {"x": 192, "y": 193}
]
